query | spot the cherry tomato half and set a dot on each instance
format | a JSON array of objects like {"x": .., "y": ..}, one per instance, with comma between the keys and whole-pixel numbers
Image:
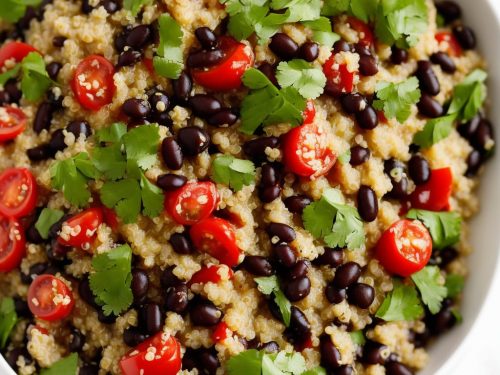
[
  {"x": 309, "y": 113},
  {"x": 16, "y": 51},
  {"x": 221, "y": 332},
  {"x": 18, "y": 192},
  {"x": 93, "y": 83},
  {"x": 81, "y": 229},
  {"x": 448, "y": 43},
  {"x": 160, "y": 354},
  {"x": 49, "y": 298},
  {"x": 12, "y": 123},
  {"x": 339, "y": 79},
  {"x": 191, "y": 203},
  {"x": 12, "y": 244},
  {"x": 364, "y": 31},
  {"x": 435, "y": 194},
  {"x": 212, "y": 274},
  {"x": 227, "y": 74},
  {"x": 305, "y": 151},
  {"x": 216, "y": 237}
]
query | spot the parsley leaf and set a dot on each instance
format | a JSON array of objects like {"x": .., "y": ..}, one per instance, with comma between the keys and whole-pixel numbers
[
  {"x": 112, "y": 133},
  {"x": 432, "y": 292},
  {"x": 397, "y": 99},
  {"x": 322, "y": 31},
  {"x": 445, "y": 227},
  {"x": 308, "y": 80},
  {"x": 152, "y": 198},
  {"x": 8, "y": 319},
  {"x": 268, "y": 105},
  {"x": 135, "y": 5},
  {"x": 254, "y": 362},
  {"x": 110, "y": 282},
  {"x": 169, "y": 61},
  {"x": 469, "y": 96},
  {"x": 66, "y": 366},
  {"x": 454, "y": 284},
  {"x": 141, "y": 144},
  {"x": 268, "y": 285},
  {"x": 36, "y": 80},
  {"x": 338, "y": 224},
  {"x": 236, "y": 173},
  {"x": 13, "y": 10},
  {"x": 47, "y": 218},
  {"x": 124, "y": 196},
  {"x": 402, "y": 303},
  {"x": 358, "y": 337},
  {"x": 434, "y": 131}
]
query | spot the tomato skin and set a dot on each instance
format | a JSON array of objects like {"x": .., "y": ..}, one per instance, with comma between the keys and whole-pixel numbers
[
  {"x": 98, "y": 69},
  {"x": 167, "y": 360},
  {"x": 448, "y": 43},
  {"x": 15, "y": 50},
  {"x": 366, "y": 37},
  {"x": 16, "y": 183},
  {"x": 339, "y": 79},
  {"x": 226, "y": 75},
  {"x": 41, "y": 294},
  {"x": 85, "y": 225},
  {"x": 148, "y": 63},
  {"x": 184, "y": 204},
  {"x": 111, "y": 218},
  {"x": 12, "y": 244},
  {"x": 221, "y": 332},
  {"x": 216, "y": 237},
  {"x": 434, "y": 195},
  {"x": 210, "y": 274},
  {"x": 404, "y": 259},
  {"x": 14, "y": 126},
  {"x": 309, "y": 112}
]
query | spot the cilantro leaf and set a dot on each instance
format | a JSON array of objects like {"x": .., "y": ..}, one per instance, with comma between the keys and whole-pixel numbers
[
  {"x": 267, "y": 105},
  {"x": 47, "y": 218},
  {"x": 358, "y": 337},
  {"x": 365, "y": 10},
  {"x": 110, "y": 161},
  {"x": 124, "y": 196},
  {"x": 435, "y": 130},
  {"x": 454, "y": 284},
  {"x": 268, "y": 285},
  {"x": 110, "y": 282},
  {"x": 397, "y": 99},
  {"x": 254, "y": 362},
  {"x": 112, "y": 133},
  {"x": 13, "y": 10},
  {"x": 135, "y": 5},
  {"x": 141, "y": 144},
  {"x": 322, "y": 31},
  {"x": 169, "y": 61},
  {"x": 4, "y": 77},
  {"x": 36, "y": 80},
  {"x": 432, "y": 292},
  {"x": 283, "y": 363},
  {"x": 315, "y": 371},
  {"x": 248, "y": 362},
  {"x": 236, "y": 173},
  {"x": 308, "y": 80},
  {"x": 345, "y": 157},
  {"x": 402, "y": 303},
  {"x": 66, "y": 366},
  {"x": 152, "y": 198},
  {"x": 469, "y": 96},
  {"x": 300, "y": 10},
  {"x": 8, "y": 319},
  {"x": 444, "y": 227}
]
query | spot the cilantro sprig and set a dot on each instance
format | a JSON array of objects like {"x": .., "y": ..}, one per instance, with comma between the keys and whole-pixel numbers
[
  {"x": 454, "y": 284},
  {"x": 397, "y": 99},
  {"x": 8, "y": 320},
  {"x": 432, "y": 291},
  {"x": 67, "y": 366},
  {"x": 322, "y": 31},
  {"x": 47, "y": 218},
  {"x": 254, "y": 362},
  {"x": 306, "y": 79},
  {"x": 270, "y": 285},
  {"x": 13, "y": 10},
  {"x": 402, "y": 303},
  {"x": 236, "y": 173},
  {"x": 365, "y": 10},
  {"x": 444, "y": 227},
  {"x": 135, "y": 5},
  {"x": 169, "y": 60}
]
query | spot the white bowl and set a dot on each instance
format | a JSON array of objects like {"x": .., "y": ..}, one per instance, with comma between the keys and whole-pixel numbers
[{"x": 484, "y": 17}]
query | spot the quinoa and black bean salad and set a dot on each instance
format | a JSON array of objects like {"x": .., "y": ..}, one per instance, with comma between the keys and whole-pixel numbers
[{"x": 237, "y": 187}]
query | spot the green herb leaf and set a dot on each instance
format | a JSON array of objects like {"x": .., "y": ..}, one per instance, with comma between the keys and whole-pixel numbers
[
  {"x": 268, "y": 285},
  {"x": 444, "y": 227},
  {"x": 434, "y": 131},
  {"x": 66, "y": 366},
  {"x": 358, "y": 337},
  {"x": 13, "y": 10},
  {"x": 322, "y": 31},
  {"x": 397, "y": 99},
  {"x": 365, "y": 10},
  {"x": 141, "y": 144},
  {"x": 248, "y": 362},
  {"x": 400, "y": 304},
  {"x": 170, "y": 62},
  {"x": 306, "y": 79},
  {"x": 345, "y": 157},
  {"x": 47, "y": 218},
  {"x": 315, "y": 371},
  {"x": 300, "y": 10},
  {"x": 458, "y": 316},
  {"x": 454, "y": 284},
  {"x": 152, "y": 198},
  {"x": 283, "y": 363},
  {"x": 112, "y": 133},
  {"x": 4, "y": 77},
  {"x": 135, "y": 5},
  {"x": 469, "y": 96},
  {"x": 236, "y": 173},
  {"x": 110, "y": 161},
  {"x": 110, "y": 282},
  {"x": 36, "y": 80},
  {"x": 124, "y": 196},
  {"x": 431, "y": 290},
  {"x": 8, "y": 320}
]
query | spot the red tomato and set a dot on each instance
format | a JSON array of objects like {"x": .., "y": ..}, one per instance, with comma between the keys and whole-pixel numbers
[
  {"x": 80, "y": 230},
  {"x": 448, "y": 43},
  {"x": 381, "y": 117},
  {"x": 12, "y": 244},
  {"x": 364, "y": 31},
  {"x": 211, "y": 274},
  {"x": 434, "y": 195},
  {"x": 216, "y": 237},
  {"x": 111, "y": 218},
  {"x": 18, "y": 192},
  {"x": 339, "y": 78},
  {"x": 161, "y": 354},
  {"x": 16, "y": 51},
  {"x": 148, "y": 63},
  {"x": 93, "y": 83},
  {"x": 191, "y": 203},
  {"x": 309, "y": 113},
  {"x": 221, "y": 332},
  {"x": 305, "y": 151},
  {"x": 227, "y": 74},
  {"x": 49, "y": 298},
  {"x": 12, "y": 123},
  {"x": 404, "y": 248}
]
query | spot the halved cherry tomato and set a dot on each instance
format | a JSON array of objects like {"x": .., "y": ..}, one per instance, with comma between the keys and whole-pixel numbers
[
  {"x": 148, "y": 63},
  {"x": 12, "y": 244},
  {"x": 16, "y": 51},
  {"x": 110, "y": 218},
  {"x": 339, "y": 79},
  {"x": 12, "y": 123},
  {"x": 191, "y": 203},
  {"x": 216, "y": 237},
  {"x": 404, "y": 248},
  {"x": 309, "y": 113},
  {"x": 448, "y": 43},
  {"x": 434, "y": 195},
  {"x": 160, "y": 354},
  {"x": 80, "y": 230},
  {"x": 364, "y": 31},
  {"x": 18, "y": 192},
  {"x": 227, "y": 74},
  {"x": 49, "y": 298},
  {"x": 221, "y": 332},
  {"x": 305, "y": 151},
  {"x": 211, "y": 274},
  {"x": 93, "y": 83}
]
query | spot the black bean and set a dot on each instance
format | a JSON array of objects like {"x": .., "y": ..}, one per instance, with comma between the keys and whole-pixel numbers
[
  {"x": 159, "y": 101},
  {"x": 468, "y": 129},
  {"x": 176, "y": 299},
  {"x": 368, "y": 66},
  {"x": 296, "y": 203},
  {"x": 396, "y": 368},
  {"x": 330, "y": 355},
  {"x": 136, "y": 108},
  {"x": 36, "y": 270},
  {"x": 40, "y": 153},
  {"x": 11, "y": 87},
  {"x": 429, "y": 82},
  {"x": 204, "y": 313},
  {"x": 298, "y": 289},
  {"x": 43, "y": 117},
  {"x": 367, "y": 203},
  {"x": 474, "y": 162},
  {"x": 168, "y": 278},
  {"x": 299, "y": 325},
  {"x": 193, "y": 140},
  {"x": 373, "y": 353},
  {"x": 86, "y": 7},
  {"x": 89, "y": 369},
  {"x": 361, "y": 295},
  {"x": 56, "y": 142},
  {"x": 22, "y": 308},
  {"x": 256, "y": 148},
  {"x": 335, "y": 295},
  {"x": 205, "y": 59},
  {"x": 269, "y": 71},
  {"x": 269, "y": 347},
  {"x": 58, "y": 41},
  {"x": 333, "y": 89},
  {"x": 204, "y": 105},
  {"x": 399, "y": 55},
  {"x": 270, "y": 175},
  {"x": 258, "y": 265},
  {"x": 150, "y": 318},
  {"x": 86, "y": 293},
  {"x": 283, "y": 46},
  {"x": 139, "y": 285},
  {"x": 172, "y": 154},
  {"x": 283, "y": 232},
  {"x": 269, "y": 193},
  {"x": 428, "y": 106},
  {"x": 206, "y": 37},
  {"x": 449, "y": 10},
  {"x": 128, "y": 58},
  {"x": 53, "y": 69},
  {"x": 182, "y": 87},
  {"x": 396, "y": 171},
  {"x": 309, "y": 51},
  {"x": 224, "y": 117},
  {"x": 285, "y": 255},
  {"x": 138, "y": 37},
  {"x": 181, "y": 243},
  {"x": 419, "y": 169},
  {"x": 133, "y": 336},
  {"x": 55, "y": 99},
  {"x": 209, "y": 363},
  {"x": 12, "y": 357},
  {"x": 331, "y": 257},
  {"x": 353, "y": 103},
  {"x": 346, "y": 275},
  {"x": 170, "y": 181},
  {"x": 76, "y": 341},
  {"x": 4, "y": 98},
  {"x": 465, "y": 36},
  {"x": 444, "y": 61},
  {"x": 442, "y": 321},
  {"x": 341, "y": 46},
  {"x": 367, "y": 119},
  {"x": 447, "y": 256},
  {"x": 33, "y": 236},
  {"x": 299, "y": 270},
  {"x": 111, "y": 6},
  {"x": 189, "y": 360},
  {"x": 344, "y": 370},
  {"x": 121, "y": 40},
  {"x": 361, "y": 49},
  {"x": 79, "y": 127},
  {"x": 482, "y": 139},
  {"x": 359, "y": 155}
]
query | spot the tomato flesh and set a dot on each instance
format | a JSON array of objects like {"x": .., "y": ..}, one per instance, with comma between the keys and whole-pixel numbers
[
  {"x": 435, "y": 194},
  {"x": 49, "y": 298},
  {"x": 339, "y": 78},
  {"x": 448, "y": 43},
  {"x": 93, "y": 83},
  {"x": 16, "y": 51},
  {"x": 12, "y": 123},
  {"x": 216, "y": 237},
  {"x": 211, "y": 274},
  {"x": 160, "y": 354},
  {"x": 18, "y": 192},
  {"x": 12, "y": 244},
  {"x": 191, "y": 203},
  {"x": 81, "y": 229},
  {"x": 364, "y": 31},
  {"x": 221, "y": 332},
  {"x": 404, "y": 248},
  {"x": 227, "y": 74},
  {"x": 309, "y": 113}
]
